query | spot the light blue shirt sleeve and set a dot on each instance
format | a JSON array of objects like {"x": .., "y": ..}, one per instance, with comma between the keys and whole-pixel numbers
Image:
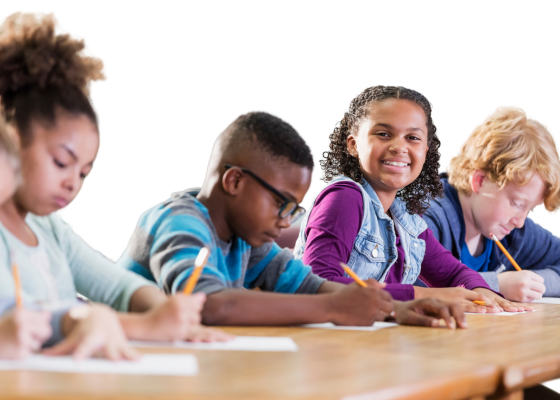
[{"x": 95, "y": 276}]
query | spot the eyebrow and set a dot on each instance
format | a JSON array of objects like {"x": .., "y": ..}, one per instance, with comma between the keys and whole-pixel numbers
[
  {"x": 289, "y": 195},
  {"x": 74, "y": 156},
  {"x": 388, "y": 126}
]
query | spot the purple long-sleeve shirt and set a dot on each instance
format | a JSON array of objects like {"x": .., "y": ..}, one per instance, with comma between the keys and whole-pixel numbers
[{"x": 332, "y": 228}]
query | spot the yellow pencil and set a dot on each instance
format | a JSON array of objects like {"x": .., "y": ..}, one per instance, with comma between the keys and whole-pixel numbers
[
  {"x": 358, "y": 280},
  {"x": 481, "y": 303},
  {"x": 353, "y": 275},
  {"x": 199, "y": 264},
  {"x": 510, "y": 258},
  {"x": 17, "y": 283}
]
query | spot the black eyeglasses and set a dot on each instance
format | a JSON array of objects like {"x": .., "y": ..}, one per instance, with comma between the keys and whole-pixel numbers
[{"x": 289, "y": 208}]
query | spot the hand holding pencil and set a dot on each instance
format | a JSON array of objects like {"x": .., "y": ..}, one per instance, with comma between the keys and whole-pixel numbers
[
  {"x": 22, "y": 331},
  {"x": 423, "y": 312}
]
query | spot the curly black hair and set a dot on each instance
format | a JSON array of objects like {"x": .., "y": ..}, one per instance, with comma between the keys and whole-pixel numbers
[
  {"x": 338, "y": 160},
  {"x": 41, "y": 72}
]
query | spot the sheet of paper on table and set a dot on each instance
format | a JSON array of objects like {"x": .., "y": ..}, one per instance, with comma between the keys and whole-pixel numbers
[
  {"x": 547, "y": 300},
  {"x": 504, "y": 313},
  {"x": 148, "y": 364},
  {"x": 240, "y": 343},
  {"x": 328, "y": 325}
]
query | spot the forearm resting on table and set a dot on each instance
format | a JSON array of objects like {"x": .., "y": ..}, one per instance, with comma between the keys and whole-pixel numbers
[
  {"x": 241, "y": 307},
  {"x": 133, "y": 324},
  {"x": 145, "y": 298}
]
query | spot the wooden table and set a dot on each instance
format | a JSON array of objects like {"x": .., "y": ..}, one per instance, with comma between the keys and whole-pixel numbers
[{"x": 497, "y": 354}]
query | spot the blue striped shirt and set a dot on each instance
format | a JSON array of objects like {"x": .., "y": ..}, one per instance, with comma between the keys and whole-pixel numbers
[{"x": 169, "y": 236}]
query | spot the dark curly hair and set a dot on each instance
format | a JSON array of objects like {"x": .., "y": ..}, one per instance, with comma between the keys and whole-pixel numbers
[
  {"x": 41, "y": 72},
  {"x": 338, "y": 160}
]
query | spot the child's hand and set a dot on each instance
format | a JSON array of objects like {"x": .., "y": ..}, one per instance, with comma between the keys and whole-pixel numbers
[
  {"x": 201, "y": 333},
  {"x": 358, "y": 306},
  {"x": 503, "y": 304},
  {"x": 178, "y": 318},
  {"x": 23, "y": 332},
  {"x": 524, "y": 286},
  {"x": 428, "y": 312},
  {"x": 97, "y": 332},
  {"x": 173, "y": 319},
  {"x": 461, "y": 295}
]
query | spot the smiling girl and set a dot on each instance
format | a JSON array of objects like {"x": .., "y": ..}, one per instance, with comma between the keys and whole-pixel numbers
[
  {"x": 382, "y": 170},
  {"x": 44, "y": 96}
]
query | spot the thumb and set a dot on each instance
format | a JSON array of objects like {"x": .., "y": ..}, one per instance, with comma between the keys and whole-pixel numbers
[
  {"x": 199, "y": 297},
  {"x": 472, "y": 295}
]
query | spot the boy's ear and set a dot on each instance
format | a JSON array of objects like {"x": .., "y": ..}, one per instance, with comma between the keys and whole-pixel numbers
[
  {"x": 477, "y": 180},
  {"x": 230, "y": 181}
]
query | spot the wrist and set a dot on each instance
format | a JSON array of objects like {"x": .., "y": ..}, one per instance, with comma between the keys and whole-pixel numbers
[
  {"x": 135, "y": 325},
  {"x": 327, "y": 310},
  {"x": 73, "y": 317},
  {"x": 421, "y": 292}
]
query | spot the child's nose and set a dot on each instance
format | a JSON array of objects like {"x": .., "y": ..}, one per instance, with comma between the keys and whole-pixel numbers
[
  {"x": 285, "y": 223},
  {"x": 398, "y": 145}
]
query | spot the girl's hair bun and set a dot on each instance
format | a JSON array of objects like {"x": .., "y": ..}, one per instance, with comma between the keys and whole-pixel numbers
[{"x": 32, "y": 55}]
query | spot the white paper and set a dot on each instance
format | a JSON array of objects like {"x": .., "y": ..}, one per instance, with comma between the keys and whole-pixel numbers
[
  {"x": 148, "y": 364},
  {"x": 328, "y": 325},
  {"x": 503, "y": 313},
  {"x": 547, "y": 300},
  {"x": 240, "y": 343}
]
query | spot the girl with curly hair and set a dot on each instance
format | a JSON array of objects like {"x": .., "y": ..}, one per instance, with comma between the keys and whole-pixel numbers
[
  {"x": 44, "y": 80},
  {"x": 382, "y": 171}
]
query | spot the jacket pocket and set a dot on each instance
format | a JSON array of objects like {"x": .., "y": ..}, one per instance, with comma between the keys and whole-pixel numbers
[
  {"x": 368, "y": 259},
  {"x": 371, "y": 248}
]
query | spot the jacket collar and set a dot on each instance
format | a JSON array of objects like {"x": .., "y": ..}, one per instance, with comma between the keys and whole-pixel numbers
[
  {"x": 413, "y": 224},
  {"x": 451, "y": 207}
]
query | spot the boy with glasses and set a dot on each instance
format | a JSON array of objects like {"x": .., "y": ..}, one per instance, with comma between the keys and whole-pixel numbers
[{"x": 259, "y": 172}]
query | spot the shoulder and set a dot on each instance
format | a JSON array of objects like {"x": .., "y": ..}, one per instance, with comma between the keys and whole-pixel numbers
[
  {"x": 51, "y": 225},
  {"x": 181, "y": 210},
  {"x": 341, "y": 192}
]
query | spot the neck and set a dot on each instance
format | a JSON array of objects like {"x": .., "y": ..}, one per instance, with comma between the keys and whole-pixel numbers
[
  {"x": 386, "y": 197},
  {"x": 212, "y": 198},
  {"x": 471, "y": 231},
  {"x": 13, "y": 211}
]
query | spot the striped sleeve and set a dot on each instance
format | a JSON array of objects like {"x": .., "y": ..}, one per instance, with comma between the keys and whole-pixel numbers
[
  {"x": 176, "y": 242},
  {"x": 273, "y": 269}
]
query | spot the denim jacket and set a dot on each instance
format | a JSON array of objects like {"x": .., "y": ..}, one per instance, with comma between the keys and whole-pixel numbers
[{"x": 375, "y": 250}]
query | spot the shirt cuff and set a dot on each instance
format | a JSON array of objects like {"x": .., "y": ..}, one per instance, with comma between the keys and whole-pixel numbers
[
  {"x": 310, "y": 284},
  {"x": 400, "y": 291},
  {"x": 491, "y": 279},
  {"x": 551, "y": 281}
]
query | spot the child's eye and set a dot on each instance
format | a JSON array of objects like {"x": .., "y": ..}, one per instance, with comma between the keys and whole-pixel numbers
[
  {"x": 83, "y": 176},
  {"x": 59, "y": 164},
  {"x": 414, "y": 138},
  {"x": 385, "y": 134}
]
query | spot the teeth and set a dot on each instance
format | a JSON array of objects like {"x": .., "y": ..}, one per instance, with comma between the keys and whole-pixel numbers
[{"x": 396, "y": 164}]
